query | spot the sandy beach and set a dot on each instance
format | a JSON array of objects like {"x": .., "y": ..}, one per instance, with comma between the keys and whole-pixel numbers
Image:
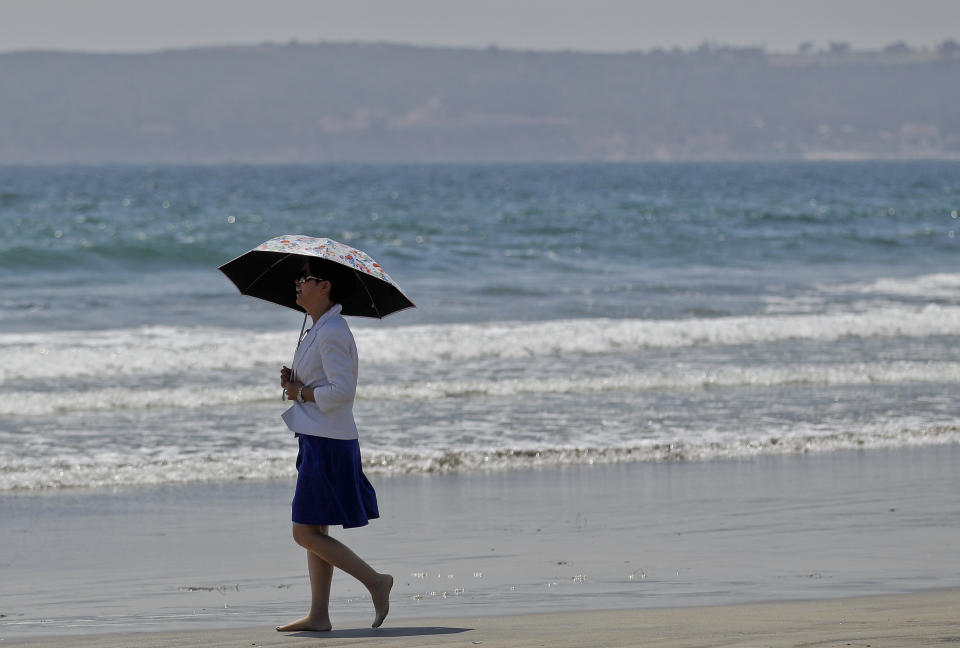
[
  {"x": 907, "y": 621},
  {"x": 639, "y": 543}
]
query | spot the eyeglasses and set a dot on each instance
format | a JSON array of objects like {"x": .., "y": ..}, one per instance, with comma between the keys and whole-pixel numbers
[{"x": 305, "y": 278}]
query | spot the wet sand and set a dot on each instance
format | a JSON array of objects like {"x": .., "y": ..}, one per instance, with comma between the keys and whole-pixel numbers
[
  {"x": 902, "y": 621},
  {"x": 483, "y": 546}
]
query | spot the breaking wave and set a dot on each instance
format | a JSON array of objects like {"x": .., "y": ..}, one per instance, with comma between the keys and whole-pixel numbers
[
  {"x": 163, "y": 350},
  {"x": 23, "y": 403},
  {"x": 112, "y": 469}
]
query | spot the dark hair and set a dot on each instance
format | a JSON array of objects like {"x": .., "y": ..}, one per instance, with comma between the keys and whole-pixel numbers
[
  {"x": 341, "y": 279},
  {"x": 342, "y": 286}
]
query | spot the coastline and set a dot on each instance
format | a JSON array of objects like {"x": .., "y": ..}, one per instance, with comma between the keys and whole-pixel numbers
[
  {"x": 488, "y": 545},
  {"x": 892, "y": 621}
]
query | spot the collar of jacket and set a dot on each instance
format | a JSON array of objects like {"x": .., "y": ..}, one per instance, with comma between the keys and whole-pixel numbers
[
  {"x": 310, "y": 336},
  {"x": 333, "y": 310}
]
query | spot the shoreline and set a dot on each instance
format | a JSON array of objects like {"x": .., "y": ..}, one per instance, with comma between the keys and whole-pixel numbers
[
  {"x": 889, "y": 621},
  {"x": 478, "y": 471}
]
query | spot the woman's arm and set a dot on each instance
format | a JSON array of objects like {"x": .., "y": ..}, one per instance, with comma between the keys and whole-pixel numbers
[{"x": 338, "y": 365}]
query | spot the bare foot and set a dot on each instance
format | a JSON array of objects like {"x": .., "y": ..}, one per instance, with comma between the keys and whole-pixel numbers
[
  {"x": 381, "y": 598},
  {"x": 306, "y": 623}
]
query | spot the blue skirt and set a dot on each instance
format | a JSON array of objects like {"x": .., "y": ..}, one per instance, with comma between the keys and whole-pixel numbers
[{"x": 331, "y": 487}]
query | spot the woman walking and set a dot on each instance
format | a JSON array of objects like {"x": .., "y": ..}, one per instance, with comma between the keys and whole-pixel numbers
[{"x": 331, "y": 487}]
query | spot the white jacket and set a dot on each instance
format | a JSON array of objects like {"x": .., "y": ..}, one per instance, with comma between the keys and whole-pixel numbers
[{"x": 326, "y": 362}]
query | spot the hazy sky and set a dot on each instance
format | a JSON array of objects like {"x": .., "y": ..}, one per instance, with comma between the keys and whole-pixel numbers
[{"x": 602, "y": 25}]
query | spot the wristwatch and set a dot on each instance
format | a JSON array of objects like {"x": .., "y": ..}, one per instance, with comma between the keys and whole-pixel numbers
[{"x": 300, "y": 395}]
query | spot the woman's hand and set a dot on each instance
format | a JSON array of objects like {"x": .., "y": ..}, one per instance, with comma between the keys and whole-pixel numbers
[{"x": 291, "y": 387}]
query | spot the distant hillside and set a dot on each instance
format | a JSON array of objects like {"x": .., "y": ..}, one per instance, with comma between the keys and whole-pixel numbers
[{"x": 356, "y": 102}]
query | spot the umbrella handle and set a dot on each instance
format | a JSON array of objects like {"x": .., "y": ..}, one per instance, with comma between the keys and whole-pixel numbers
[{"x": 299, "y": 340}]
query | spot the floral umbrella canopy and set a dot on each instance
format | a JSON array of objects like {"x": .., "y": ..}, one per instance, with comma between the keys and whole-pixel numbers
[{"x": 268, "y": 270}]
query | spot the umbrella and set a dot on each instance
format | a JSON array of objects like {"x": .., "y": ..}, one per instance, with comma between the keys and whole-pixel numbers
[{"x": 268, "y": 270}]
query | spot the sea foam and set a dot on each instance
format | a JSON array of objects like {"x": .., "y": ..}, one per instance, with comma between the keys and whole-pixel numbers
[
  {"x": 161, "y": 350},
  {"x": 65, "y": 400},
  {"x": 129, "y": 468}
]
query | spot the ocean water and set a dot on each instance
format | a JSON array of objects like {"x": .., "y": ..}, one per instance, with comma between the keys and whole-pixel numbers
[{"x": 567, "y": 314}]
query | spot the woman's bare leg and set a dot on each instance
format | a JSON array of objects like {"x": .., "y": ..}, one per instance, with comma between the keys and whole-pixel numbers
[
  {"x": 321, "y": 575},
  {"x": 336, "y": 554},
  {"x": 318, "y": 619}
]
